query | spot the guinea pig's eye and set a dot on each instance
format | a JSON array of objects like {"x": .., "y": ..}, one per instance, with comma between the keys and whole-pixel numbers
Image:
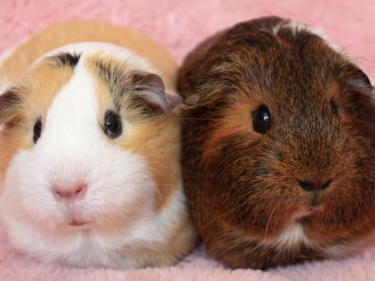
[
  {"x": 112, "y": 124},
  {"x": 334, "y": 107},
  {"x": 37, "y": 130},
  {"x": 261, "y": 119}
]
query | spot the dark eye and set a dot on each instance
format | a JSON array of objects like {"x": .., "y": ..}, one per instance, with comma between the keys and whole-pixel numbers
[
  {"x": 112, "y": 124},
  {"x": 334, "y": 107},
  {"x": 261, "y": 119},
  {"x": 37, "y": 130}
]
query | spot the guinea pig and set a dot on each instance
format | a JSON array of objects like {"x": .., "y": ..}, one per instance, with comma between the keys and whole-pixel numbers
[
  {"x": 90, "y": 151},
  {"x": 278, "y": 146}
]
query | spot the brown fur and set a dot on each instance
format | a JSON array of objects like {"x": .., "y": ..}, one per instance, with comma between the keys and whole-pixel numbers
[{"x": 242, "y": 186}]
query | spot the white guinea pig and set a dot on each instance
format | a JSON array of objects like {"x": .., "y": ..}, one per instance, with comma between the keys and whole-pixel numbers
[{"x": 89, "y": 165}]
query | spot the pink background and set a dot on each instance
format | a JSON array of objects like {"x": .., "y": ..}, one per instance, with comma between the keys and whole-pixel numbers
[{"x": 179, "y": 25}]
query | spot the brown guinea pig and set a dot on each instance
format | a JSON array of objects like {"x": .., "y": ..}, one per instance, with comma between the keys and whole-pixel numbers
[{"x": 279, "y": 146}]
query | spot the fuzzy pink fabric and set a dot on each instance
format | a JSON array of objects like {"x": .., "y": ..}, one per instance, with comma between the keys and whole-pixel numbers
[{"x": 179, "y": 25}]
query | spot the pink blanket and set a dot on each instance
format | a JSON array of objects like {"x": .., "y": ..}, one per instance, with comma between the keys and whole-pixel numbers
[{"x": 179, "y": 25}]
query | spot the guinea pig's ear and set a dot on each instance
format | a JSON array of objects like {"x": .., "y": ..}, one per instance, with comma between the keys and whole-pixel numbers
[
  {"x": 193, "y": 100},
  {"x": 173, "y": 99},
  {"x": 10, "y": 101},
  {"x": 358, "y": 94},
  {"x": 150, "y": 88},
  {"x": 356, "y": 79}
]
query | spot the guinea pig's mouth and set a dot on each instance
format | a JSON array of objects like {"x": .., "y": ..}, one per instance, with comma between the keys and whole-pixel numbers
[
  {"x": 78, "y": 223},
  {"x": 304, "y": 213},
  {"x": 313, "y": 203},
  {"x": 311, "y": 208}
]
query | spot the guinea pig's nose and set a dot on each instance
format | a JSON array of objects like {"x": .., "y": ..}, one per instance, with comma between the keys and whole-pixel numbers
[
  {"x": 76, "y": 192},
  {"x": 313, "y": 186}
]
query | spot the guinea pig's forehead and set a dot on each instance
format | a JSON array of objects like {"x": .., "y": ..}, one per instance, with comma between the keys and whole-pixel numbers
[
  {"x": 111, "y": 78},
  {"x": 281, "y": 70},
  {"x": 43, "y": 81}
]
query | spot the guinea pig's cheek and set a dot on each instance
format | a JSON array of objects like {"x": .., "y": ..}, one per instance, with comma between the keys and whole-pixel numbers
[
  {"x": 121, "y": 188},
  {"x": 26, "y": 195}
]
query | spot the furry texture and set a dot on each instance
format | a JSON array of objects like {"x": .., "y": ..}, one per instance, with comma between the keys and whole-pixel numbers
[
  {"x": 250, "y": 187},
  {"x": 179, "y": 28},
  {"x": 62, "y": 203}
]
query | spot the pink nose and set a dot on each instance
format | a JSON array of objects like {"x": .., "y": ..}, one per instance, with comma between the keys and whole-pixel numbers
[{"x": 76, "y": 192}]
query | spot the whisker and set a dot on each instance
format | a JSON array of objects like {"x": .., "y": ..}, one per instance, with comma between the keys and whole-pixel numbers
[{"x": 269, "y": 220}]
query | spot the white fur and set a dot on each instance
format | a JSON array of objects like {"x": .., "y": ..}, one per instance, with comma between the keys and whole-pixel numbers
[
  {"x": 4, "y": 86},
  {"x": 120, "y": 196},
  {"x": 292, "y": 237},
  {"x": 297, "y": 27}
]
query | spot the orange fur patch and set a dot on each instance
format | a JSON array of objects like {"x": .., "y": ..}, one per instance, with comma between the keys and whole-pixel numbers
[
  {"x": 37, "y": 96},
  {"x": 87, "y": 31},
  {"x": 156, "y": 138}
]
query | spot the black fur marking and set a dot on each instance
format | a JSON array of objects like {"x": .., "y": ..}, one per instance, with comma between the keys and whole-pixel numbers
[
  {"x": 66, "y": 59},
  {"x": 9, "y": 99},
  {"x": 9, "y": 102},
  {"x": 126, "y": 87}
]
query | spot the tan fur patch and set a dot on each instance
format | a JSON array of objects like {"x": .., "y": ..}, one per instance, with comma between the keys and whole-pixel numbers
[
  {"x": 155, "y": 138},
  {"x": 90, "y": 31},
  {"x": 8, "y": 147},
  {"x": 37, "y": 96},
  {"x": 158, "y": 142},
  {"x": 180, "y": 238},
  {"x": 41, "y": 93}
]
